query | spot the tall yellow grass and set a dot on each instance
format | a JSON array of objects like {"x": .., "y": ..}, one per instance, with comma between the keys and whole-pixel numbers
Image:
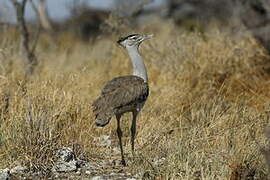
[{"x": 206, "y": 113}]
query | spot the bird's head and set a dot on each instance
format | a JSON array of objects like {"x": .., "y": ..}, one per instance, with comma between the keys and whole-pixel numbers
[{"x": 133, "y": 40}]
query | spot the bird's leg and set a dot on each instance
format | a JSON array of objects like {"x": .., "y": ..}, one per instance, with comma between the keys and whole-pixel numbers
[
  {"x": 119, "y": 134},
  {"x": 133, "y": 130}
]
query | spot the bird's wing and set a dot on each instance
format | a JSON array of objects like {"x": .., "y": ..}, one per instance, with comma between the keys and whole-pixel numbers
[{"x": 122, "y": 91}]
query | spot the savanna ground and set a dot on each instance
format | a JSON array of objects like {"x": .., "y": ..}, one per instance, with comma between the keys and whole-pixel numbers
[{"x": 206, "y": 114}]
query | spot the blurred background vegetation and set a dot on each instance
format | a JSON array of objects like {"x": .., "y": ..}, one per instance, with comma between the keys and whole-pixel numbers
[{"x": 88, "y": 21}]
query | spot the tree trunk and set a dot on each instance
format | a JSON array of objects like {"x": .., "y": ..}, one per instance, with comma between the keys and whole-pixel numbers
[{"x": 28, "y": 55}]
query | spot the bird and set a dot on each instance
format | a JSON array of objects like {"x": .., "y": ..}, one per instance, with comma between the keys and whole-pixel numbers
[{"x": 124, "y": 94}]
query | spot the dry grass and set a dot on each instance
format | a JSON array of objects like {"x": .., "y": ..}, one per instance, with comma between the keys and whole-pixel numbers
[{"x": 206, "y": 113}]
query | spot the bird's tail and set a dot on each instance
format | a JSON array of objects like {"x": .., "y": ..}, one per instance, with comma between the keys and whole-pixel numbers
[{"x": 102, "y": 112}]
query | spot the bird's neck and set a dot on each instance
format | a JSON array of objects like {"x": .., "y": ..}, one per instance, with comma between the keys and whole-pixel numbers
[{"x": 139, "y": 68}]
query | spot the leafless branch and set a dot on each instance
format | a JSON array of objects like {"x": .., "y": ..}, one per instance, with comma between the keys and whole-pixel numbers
[
  {"x": 38, "y": 30},
  {"x": 34, "y": 7},
  {"x": 42, "y": 14}
]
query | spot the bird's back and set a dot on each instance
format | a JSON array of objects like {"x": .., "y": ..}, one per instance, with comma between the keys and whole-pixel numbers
[{"x": 120, "y": 95}]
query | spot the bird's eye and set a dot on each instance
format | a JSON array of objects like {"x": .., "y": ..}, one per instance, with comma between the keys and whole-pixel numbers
[{"x": 134, "y": 38}]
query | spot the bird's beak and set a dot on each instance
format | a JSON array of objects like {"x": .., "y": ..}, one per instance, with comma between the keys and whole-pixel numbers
[
  {"x": 119, "y": 42},
  {"x": 148, "y": 36}
]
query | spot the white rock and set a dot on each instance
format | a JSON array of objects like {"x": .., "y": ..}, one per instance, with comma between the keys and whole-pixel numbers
[
  {"x": 88, "y": 165},
  {"x": 66, "y": 162},
  {"x": 78, "y": 172},
  {"x": 18, "y": 169},
  {"x": 56, "y": 176},
  {"x": 4, "y": 174},
  {"x": 62, "y": 166},
  {"x": 98, "y": 178},
  {"x": 104, "y": 141},
  {"x": 157, "y": 161},
  {"x": 65, "y": 154},
  {"x": 117, "y": 150},
  {"x": 88, "y": 172}
]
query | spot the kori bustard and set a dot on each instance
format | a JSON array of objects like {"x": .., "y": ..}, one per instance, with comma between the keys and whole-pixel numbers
[{"x": 126, "y": 93}]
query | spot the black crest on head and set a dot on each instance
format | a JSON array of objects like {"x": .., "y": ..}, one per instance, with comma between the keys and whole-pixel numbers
[{"x": 124, "y": 38}]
